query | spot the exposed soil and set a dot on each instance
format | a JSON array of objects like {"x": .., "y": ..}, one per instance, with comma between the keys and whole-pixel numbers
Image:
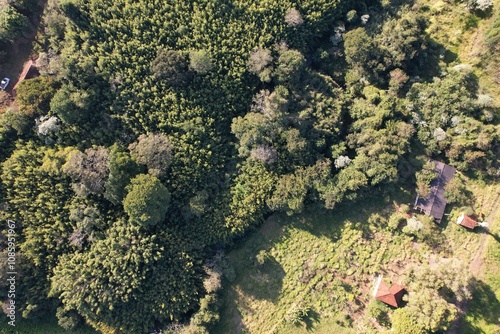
[{"x": 20, "y": 51}]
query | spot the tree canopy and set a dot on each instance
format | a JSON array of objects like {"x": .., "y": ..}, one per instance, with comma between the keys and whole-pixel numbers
[
  {"x": 147, "y": 200},
  {"x": 157, "y": 133}
]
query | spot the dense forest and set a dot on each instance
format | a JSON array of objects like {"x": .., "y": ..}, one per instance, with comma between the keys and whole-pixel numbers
[{"x": 161, "y": 131}]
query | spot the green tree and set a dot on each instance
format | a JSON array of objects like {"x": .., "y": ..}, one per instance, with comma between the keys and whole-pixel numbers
[
  {"x": 26, "y": 5},
  {"x": 200, "y": 62},
  {"x": 402, "y": 40},
  {"x": 432, "y": 294},
  {"x": 424, "y": 178},
  {"x": 362, "y": 55},
  {"x": 147, "y": 200},
  {"x": 290, "y": 65},
  {"x": 358, "y": 47},
  {"x": 34, "y": 95},
  {"x": 289, "y": 194},
  {"x": 72, "y": 105},
  {"x": 12, "y": 23},
  {"x": 128, "y": 281},
  {"x": 403, "y": 321},
  {"x": 171, "y": 66},
  {"x": 122, "y": 168}
]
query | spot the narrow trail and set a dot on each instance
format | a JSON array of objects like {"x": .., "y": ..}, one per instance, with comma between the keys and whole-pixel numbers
[{"x": 475, "y": 266}]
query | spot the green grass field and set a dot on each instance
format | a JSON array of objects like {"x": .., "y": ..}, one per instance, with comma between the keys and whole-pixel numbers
[
  {"x": 326, "y": 261},
  {"x": 483, "y": 314}
]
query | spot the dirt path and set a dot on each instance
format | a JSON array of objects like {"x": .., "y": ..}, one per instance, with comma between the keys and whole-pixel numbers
[{"x": 475, "y": 266}]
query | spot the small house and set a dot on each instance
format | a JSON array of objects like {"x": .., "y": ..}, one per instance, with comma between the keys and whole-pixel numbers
[
  {"x": 435, "y": 204},
  {"x": 466, "y": 221},
  {"x": 392, "y": 296},
  {"x": 470, "y": 222}
]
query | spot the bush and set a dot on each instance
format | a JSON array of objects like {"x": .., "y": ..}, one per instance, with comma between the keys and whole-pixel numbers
[
  {"x": 68, "y": 320},
  {"x": 378, "y": 311},
  {"x": 413, "y": 227},
  {"x": 395, "y": 220},
  {"x": 479, "y": 5},
  {"x": 297, "y": 314},
  {"x": 262, "y": 256},
  {"x": 404, "y": 208}
]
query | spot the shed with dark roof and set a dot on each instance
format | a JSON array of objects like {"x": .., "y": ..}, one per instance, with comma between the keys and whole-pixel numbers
[{"x": 435, "y": 204}]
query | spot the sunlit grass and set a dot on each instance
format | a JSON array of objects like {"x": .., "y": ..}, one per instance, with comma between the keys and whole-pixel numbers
[{"x": 327, "y": 260}]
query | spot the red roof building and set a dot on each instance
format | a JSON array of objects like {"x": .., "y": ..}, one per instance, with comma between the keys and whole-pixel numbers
[
  {"x": 392, "y": 296},
  {"x": 466, "y": 221}
]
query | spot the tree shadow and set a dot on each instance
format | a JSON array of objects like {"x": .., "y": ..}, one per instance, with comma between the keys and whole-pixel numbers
[
  {"x": 484, "y": 230},
  {"x": 484, "y": 306},
  {"x": 231, "y": 320},
  {"x": 311, "y": 320},
  {"x": 263, "y": 281}
]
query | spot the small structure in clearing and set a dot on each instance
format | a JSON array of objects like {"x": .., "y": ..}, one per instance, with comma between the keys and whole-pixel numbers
[
  {"x": 392, "y": 296},
  {"x": 469, "y": 222},
  {"x": 435, "y": 204},
  {"x": 466, "y": 221}
]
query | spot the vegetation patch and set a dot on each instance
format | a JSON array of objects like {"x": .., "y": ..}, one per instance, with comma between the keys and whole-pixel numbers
[{"x": 324, "y": 266}]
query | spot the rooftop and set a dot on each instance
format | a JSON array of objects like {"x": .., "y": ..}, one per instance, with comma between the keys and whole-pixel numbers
[
  {"x": 466, "y": 221},
  {"x": 392, "y": 296},
  {"x": 435, "y": 204}
]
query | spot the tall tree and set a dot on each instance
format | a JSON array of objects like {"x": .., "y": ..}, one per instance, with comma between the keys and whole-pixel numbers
[
  {"x": 147, "y": 200},
  {"x": 171, "y": 66},
  {"x": 122, "y": 168},
  {"x": 12, "y": 23}
]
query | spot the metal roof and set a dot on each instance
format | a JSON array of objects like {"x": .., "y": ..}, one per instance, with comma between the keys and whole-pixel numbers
[{"x": 435, "y": 204}]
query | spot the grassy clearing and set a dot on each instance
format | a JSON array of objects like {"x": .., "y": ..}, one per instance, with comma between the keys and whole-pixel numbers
[
  {"x": 469, "y": 38},
  {"x": 483, "y": 314},
  {"x": 325, "y": 262}
]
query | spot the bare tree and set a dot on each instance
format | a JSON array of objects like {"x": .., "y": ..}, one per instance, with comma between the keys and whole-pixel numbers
[
  {"x": 293, "y": 18},
  {"x": 155, "y": 151},
  {"x": 266, "y": 154},
  {"x": 89, "y": 169},
  {"x": 259, "y": 63}
]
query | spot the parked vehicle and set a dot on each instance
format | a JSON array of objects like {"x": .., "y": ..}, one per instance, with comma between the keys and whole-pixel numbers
[{"x": 4, "y": 83}]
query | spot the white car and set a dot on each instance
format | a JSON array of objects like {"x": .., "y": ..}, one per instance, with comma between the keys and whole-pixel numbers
[{"x": 4, "y": 83}]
